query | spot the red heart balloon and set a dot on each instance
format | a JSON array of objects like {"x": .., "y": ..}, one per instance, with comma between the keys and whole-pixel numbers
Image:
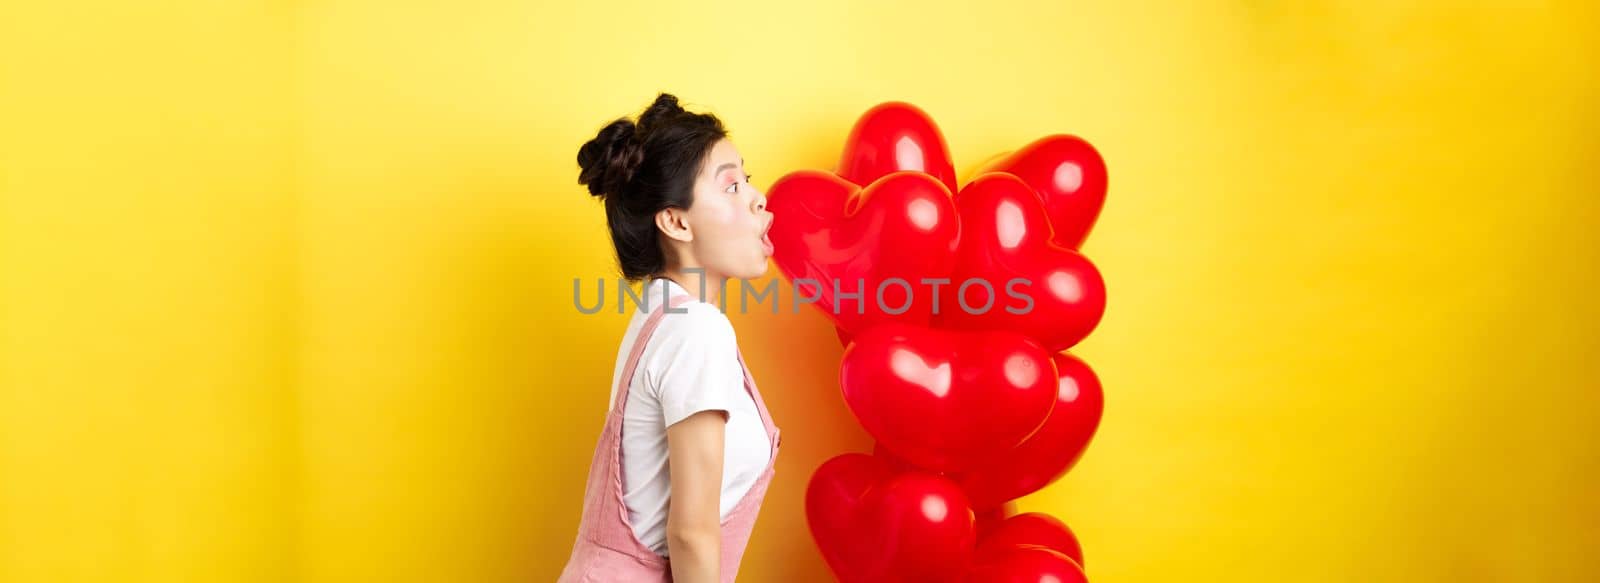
[
  {"x": 1008, "y": 274},
  {"x": 1071, "y": 178},
  {"x": 944, "y": 400},
  {"x": 893, "y": 137},
  {"x": 833, "y": 239},
  {"x": 834, "y": 500},
  {"x": 875, "y": 526},
  {"x": 1034, "y": 529},
  {"x": 1025, "y": 564},
  {"x": 1049, "y": 453},
  {"x": 930, "y": 523}
]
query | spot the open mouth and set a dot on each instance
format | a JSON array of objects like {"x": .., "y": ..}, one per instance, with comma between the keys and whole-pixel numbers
[{"x": 766, "y": 240}]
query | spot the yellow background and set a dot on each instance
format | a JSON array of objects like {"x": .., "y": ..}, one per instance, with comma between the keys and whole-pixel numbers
[{"x": 285, "y": 286}]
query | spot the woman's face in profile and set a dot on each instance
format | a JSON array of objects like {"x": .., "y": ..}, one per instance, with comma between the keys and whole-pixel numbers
[{"x": 728, "y": 217}]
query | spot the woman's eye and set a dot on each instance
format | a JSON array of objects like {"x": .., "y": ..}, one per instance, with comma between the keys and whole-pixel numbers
[{"x": 732, "y": 188}]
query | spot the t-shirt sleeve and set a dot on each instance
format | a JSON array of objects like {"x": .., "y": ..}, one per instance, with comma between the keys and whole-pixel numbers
[{"x": 698, "y": 367}]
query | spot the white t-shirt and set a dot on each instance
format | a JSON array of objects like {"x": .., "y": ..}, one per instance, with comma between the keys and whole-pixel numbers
[{"x": 690, "y": 364}]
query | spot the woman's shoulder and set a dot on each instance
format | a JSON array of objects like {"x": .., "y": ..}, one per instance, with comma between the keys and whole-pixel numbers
[
  {"x": 692, "y": 359},
  {"x": 696, "y": 320}
]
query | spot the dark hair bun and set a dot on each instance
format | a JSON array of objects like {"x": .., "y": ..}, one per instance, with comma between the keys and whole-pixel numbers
[
  {"x": 610, "y": 160},
  {"x": 663, "y": 111}
]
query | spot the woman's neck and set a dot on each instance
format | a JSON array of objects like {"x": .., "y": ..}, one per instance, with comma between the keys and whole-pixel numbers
[{"x": 700, "y": 284}]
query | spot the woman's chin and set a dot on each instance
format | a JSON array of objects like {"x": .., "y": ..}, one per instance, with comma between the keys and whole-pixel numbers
[{"x": 755, "y": 271}]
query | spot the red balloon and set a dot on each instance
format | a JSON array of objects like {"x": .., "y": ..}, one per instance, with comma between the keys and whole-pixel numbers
[
  {"x": 945, "y": 400},
  {"x": 1031, "y": 529},
  {"x": 874, "y": 526},
  {"x": 1048, "y": 454},
  {"x": 1024, "y": 282},
  {"x": 834, "y": 501},
  {"x": 893, "y": 137},
  {"x": 1026, "y": 564},
  {"x": 878, "y": 242},
  {"x": 1070, "y": 176},
  {"x": 929, "y": 523}
]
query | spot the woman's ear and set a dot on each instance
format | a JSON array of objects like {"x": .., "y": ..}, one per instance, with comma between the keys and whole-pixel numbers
[{"x": 675, "y": 224}]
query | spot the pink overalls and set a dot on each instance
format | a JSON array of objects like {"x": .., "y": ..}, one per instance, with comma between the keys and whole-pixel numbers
[{"x": 606, "y": 550}]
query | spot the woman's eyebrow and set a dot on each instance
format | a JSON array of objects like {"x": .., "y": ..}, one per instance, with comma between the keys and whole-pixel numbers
[{"x": 727, "y": 166}]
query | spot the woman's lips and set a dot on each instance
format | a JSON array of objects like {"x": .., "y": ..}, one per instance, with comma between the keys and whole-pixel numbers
[{"x": 766, "y": 244}]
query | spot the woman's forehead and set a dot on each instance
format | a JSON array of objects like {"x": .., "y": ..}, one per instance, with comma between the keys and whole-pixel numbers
[{"x": 723, "y": 155}]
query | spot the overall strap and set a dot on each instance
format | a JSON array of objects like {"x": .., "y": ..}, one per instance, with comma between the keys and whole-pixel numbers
[
  {"x": 650, "y": 324},
  {"x": 755, "y": 393}
]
